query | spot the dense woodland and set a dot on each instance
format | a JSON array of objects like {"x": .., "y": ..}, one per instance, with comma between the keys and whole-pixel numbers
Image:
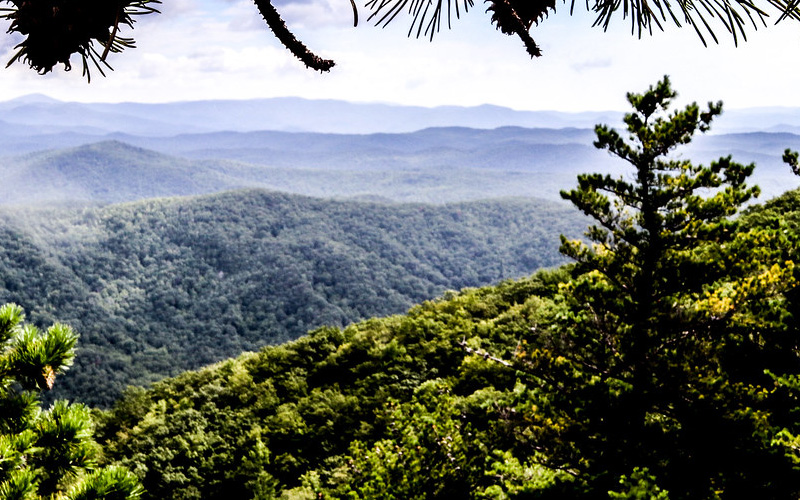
[
  {"x": 386, "y": 408},
  {"x": 162, "y": 286},
  {"x": 417, "y": 406},
  {"x": 663, "y": 362}
]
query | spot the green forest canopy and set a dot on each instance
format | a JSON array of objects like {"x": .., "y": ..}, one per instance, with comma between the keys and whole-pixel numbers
[
  {"x": 162, "y": 286},
  {"x": 664, "y": 363}
]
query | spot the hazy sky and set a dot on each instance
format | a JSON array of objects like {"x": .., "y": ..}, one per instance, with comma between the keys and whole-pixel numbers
[{"x": 209, "y": 49}]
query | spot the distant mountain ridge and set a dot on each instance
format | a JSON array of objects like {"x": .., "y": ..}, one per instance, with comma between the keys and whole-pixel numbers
[
  {"x": 290, "y": 114},
  {"x": 105, "y": 172},
  {"x": 436, "y": 165},
  {"x": 43, "y": 115}
]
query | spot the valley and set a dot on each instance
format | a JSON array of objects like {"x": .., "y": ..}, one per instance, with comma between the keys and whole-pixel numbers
[{"x": 160, "y": 286}]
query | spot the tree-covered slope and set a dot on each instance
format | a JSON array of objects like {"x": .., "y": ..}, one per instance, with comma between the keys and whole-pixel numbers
[
  {"x": 436, "y": 403},
  {"x": 664, "y": 363},
  {"x": 107, "y": 172},
  {"x": 431, "y": 166},
  {"x": 396, "y": 402},
  {"x": 162, "y": 286}
]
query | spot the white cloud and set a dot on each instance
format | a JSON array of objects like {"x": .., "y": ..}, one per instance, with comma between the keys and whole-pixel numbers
[
  {"x": 317, "y": 13},
  {"x": 222, "y": 49},
  {"x": 298, "y": 14},
  {"x": 592, "y": 63},
  {"x": 7, "y": 44}
]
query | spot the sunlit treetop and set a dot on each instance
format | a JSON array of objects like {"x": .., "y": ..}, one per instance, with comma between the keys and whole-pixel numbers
[{"x": 54, "y": 30}]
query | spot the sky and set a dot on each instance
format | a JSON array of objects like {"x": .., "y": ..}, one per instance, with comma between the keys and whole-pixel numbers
[{"x": 222, "y": 49}]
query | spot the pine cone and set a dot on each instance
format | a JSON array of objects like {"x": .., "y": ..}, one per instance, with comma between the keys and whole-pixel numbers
[{"x": 508, "y": 13}]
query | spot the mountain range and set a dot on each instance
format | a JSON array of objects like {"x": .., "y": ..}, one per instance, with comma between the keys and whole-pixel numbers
[
  {"x": 42, "y": 115},
  {"x": 434, "y": 165},
  {"x": 38, "y": 114},
  {"x": 113, "y": 245}
]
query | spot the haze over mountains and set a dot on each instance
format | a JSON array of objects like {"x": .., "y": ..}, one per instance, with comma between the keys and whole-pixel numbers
[
  {"x": 288, "y": 114},
  {"x": 55, "y": 151},
  {"x": 292, "y": 114},
  {"x": 71, "y": 157}
]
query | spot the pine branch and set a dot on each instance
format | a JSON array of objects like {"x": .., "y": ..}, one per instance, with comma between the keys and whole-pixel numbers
[
  {"x": 482, "y": 353},
  {"x": 508, "y": 21},
  {"x": 287, "y": 38}
]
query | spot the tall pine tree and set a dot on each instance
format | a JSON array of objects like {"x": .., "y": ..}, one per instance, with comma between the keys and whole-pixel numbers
[{"x": 655, "y": 365}]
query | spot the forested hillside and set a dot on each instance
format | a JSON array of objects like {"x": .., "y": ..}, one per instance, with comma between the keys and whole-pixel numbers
[
  {"x": 438, "y": 403},
  {"x": 396, "y": 402},
  {"x": 664, "y": 363},
  {"x": 106, "y": 172},
  {"x": 161, "y": 286}
]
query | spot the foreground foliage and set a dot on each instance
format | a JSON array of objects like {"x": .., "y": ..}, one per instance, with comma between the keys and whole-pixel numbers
[
  {"x": 673, "y": 319},
  {"x": 663, "y": 364},
  {"x": 47, "y": 453},
  {"x": 55, "y": 30}
]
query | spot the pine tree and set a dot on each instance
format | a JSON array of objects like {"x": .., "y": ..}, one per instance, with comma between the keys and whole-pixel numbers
[
  {"x": 656, "y": 361},
  {"x": 47, "y": 453}
]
